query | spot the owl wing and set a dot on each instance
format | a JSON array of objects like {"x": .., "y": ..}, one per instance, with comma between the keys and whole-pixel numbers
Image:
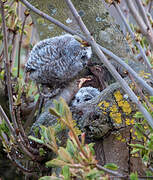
[{"x": 43, "y": 53}]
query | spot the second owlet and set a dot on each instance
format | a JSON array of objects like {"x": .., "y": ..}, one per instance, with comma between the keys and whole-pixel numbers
[{"x": 57, "y": 60}]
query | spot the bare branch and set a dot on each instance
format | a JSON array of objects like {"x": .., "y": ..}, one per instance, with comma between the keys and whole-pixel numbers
[
  {"x": 148, "y": 88},
  {"x": 145, "y": 31},
  {"x": 133, "y": 37},
  {"x": 143, "y": 14},
  {"x": 109, "y": 171},
  {"x": 109, "y": 66},
  {"x": 20, "y": 42},
  {"x": 7, "y": 68},
  {"x": 13, "y": 50},
  {"x": 7, "y": 121},
  {"x": 18, "y": 164}
]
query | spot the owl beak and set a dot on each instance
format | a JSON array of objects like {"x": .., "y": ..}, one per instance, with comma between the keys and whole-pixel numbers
[{"x": 83, "y": 43}]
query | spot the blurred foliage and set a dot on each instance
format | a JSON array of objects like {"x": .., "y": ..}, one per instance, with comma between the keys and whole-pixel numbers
[
  {"x": 144, "y": 133},
  {"x": 76, "y": 159}
]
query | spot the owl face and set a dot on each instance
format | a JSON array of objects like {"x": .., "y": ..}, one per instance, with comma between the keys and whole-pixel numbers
[
  {"x": 84, "y": 95},
  {"x": 77, "y": 52}
]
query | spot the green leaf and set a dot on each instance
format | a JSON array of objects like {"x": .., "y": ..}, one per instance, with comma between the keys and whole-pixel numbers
[
  {"x": 36, "y": 139},
  {"x": 42, "y": 152},
  {"x": 66, "y": 173},
  {"x": 134, "y": 176},
  {"x": 138, "y": 115},
  {"x": 49, "y": 178},
  {"x": 4, "y": 128},
  {"x": 91, "y": 147},
  {"x": 94, "y": 174},
  {"x": 1, "y": 36},
  {"x": 145, "y": 158},
  {"x": 135, "y": 151},
  {"x": 149, "y": 173},
  {"x": 40, "y": 21},
  {"x": 54, "y": 112},
  {"x": 44, "y": 134},
  {"x": 71, "y": 147},
  {"x": 151, "y": 99},
  {"x": 64, "y": 155},
  {"x": 111, "y": 166},
  {"x": 56, "y": 162},
  {"x": 140, "y": 146}
]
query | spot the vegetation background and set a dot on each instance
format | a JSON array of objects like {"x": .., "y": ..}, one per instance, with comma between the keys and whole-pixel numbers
[{"x": 39, "y": 135}]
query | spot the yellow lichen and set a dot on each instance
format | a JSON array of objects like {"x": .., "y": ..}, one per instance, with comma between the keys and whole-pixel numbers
[
  {"x": 120, "y": 138},
  {"x": 129, "y": 122},
  {"x": 126, "y": 108},
  {"x": 103, "y": 104},
  {"x": 118, "y": 96},
  {"x": 114, "y": 108},
  {"x": 116, "y": 117},
  {"x": 121, "y": 103}
]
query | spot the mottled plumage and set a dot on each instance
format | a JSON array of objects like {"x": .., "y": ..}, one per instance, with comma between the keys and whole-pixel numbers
[
  {"x": 84, "y": 95},
  {"x": 57, "y": 60},
  {"x": 81, "y": 105}
]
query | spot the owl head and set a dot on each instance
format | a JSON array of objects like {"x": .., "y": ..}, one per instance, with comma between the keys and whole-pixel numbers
[
  {"x": 77, "y": 50},
  {"x": 84, "y": 95}
]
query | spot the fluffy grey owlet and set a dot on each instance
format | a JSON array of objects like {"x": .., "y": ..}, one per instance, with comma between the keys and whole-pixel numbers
[
  {"x": 57, "y": 60},
  {"x": 83, "y": 96}
]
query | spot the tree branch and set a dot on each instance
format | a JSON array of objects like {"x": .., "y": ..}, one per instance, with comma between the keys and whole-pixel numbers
[
  {"x": 20, "y": 42},
  {"x": 143, "y": 84},
  {"x": 144, "y": 29},
  {"x": 133, "y": 37},
  {"x": 7, "y": 121},
  {"x": 7, "y": 68},
  {"x": 109, "y": 66},
  {"x": 114, "y": 173}
]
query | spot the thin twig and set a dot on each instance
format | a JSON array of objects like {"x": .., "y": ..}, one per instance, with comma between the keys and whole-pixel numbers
[
  {"x": 75, "y": 137},
  {"x": 139, "y": 90},
  {"x": 147, "y": 137},
  {"x": 7, "y": 68},
  {"x": 21, "y": 144},
  {"x": 109, "y": 66},
  {"x": 20, "y": 43},
  {"x": 148, "y": 88},
  {"x": 143, "y": 14},
  {"x": 13, "y": 50},
  {"x": 17, "y": 164},
  {"x": 144, "y": 29},
  {"x": 7, "y": 121},
  {"x": 9, "y": 88},
  {"x": 10, "y": 5},
  {"x": 142, "y": 82},
  {"x": 30, "y": 118},
  {"x": 24, "y": 137},
  {"x": 133, "y": 37},
  {"x": 150, "y": 6},
  {"x": 109, "y": 171}
]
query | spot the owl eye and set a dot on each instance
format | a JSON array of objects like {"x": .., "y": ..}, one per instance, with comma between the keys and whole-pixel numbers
[
  {"x": 78, "y": 100},
  {"x": 87, "y": 98},
  {"x": 83, "y": 57}
]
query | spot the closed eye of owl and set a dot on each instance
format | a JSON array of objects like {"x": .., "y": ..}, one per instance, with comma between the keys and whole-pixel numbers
[{"x": 84, "y": 95}]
